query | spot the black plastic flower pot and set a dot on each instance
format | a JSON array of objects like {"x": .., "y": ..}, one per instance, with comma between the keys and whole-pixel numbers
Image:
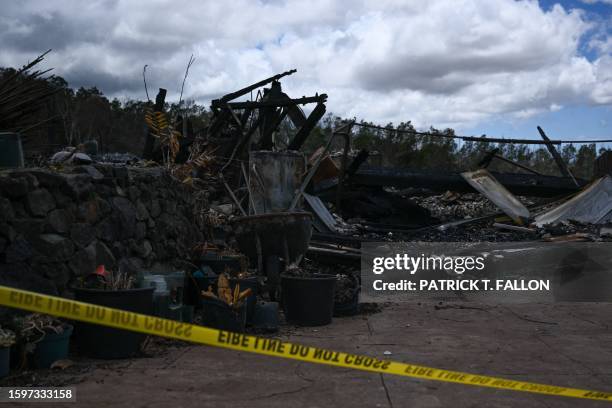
[
  {"x": 266, "y": 316},
  {"x": 187, "y": 313},
  {"x": 247, "y": 283},
  {"x": 349, "y": 308},
  {"x": 5, "y": 358},
  {"x": 53, "y": 347},
  {"x": 219, "y": 315},
  {"x": 308, "y": 301},
  {"x": 105, "y": 342}
]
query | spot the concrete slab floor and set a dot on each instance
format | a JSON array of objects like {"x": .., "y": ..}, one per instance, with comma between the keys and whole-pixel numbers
[{"x": 565, "y": 344}]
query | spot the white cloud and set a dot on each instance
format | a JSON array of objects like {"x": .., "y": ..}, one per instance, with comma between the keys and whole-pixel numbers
[
  {"x": 441, "y": 63},
  {"x": 596, "y": 1}
]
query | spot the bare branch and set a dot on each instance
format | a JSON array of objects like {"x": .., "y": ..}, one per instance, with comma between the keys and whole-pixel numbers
[
  {"x": 144, "y": 78},
  {"x": 191, "y": 61}
]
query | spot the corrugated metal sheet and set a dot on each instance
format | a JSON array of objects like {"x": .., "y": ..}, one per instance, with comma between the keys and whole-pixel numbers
[
  {"x": 593, "y": 206},
  {"x": 323, "y": 218},
  {"x": 487, "y": 185}
]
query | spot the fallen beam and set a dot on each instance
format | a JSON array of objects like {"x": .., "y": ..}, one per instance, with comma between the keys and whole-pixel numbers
[
  {"x": 558, "y": 159},
  {"x": 514, "y": 228},
  {"x": 520, "y": 184},
  {"x": 333, "y": 257},
  {"x": 337, "y": 239},
  {"x": 309, "y": 124}
]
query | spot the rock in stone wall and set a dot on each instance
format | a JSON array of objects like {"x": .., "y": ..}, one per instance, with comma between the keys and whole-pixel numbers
[{"x": 56, "y": 227}]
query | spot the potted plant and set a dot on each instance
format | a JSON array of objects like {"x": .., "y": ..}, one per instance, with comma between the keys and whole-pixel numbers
[
  {"x": 346, "y": 295},
  {"x": 250, "y": 281},
  {"x": 225, "y": 310},
  {"x": 46, "y": 339},
  {"x": 7, "y": 339},
  {"x": 117, "y": 290}
]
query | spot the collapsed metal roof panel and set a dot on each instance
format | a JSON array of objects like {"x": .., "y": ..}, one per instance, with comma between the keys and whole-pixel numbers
[
  {"x": 593, "y": 206},
  {"x": 487, "y": 185}
]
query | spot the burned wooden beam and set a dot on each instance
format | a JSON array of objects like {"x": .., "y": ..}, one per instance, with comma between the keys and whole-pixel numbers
[
  {"x": 337, "y": 239},
  {"x": 305, "y": 130},
  {"x": 218, "y": 103},
  {"x": 361, "y": 158},
  {"x": 482, "y": 139},
  {"x": 278, "y": 102},
  {"x": 246, "y": 114},
  {"x": 296, "y": 115},
  {"x": 558, "y": 159},
  {"x": 160, "y": 100},
  {"x": 494, "y": 154},
  {"x": 521, "y": 184},
  {"x": 333, "y": 257},
  {"x": 270, "y": 116},
  {"x": 346, "y": 133}
]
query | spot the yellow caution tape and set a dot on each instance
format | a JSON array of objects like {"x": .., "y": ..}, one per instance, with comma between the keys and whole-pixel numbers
[{"x": 122, "y": 319}]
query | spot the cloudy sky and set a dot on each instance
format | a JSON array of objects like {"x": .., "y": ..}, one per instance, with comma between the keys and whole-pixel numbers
[{"x": 498, "y": 67}]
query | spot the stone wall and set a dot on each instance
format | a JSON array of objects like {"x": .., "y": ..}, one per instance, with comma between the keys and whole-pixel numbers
[{"x": 56, "y": 227}]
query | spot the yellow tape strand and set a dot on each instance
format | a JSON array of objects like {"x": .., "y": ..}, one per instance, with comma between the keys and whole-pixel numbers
[{"x": 121, "y": 319}]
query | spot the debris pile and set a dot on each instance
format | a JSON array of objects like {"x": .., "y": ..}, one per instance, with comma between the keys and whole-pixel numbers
[
  {"x": 271, "y": 219},
  {"x": 455, "y": 206}
]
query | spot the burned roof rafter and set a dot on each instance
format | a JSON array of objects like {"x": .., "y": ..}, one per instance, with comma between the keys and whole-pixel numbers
[
  {"x": 217, "y": 103},
  {"x": 264, "y": 115},
  {"x": 278, "y": 102}
]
